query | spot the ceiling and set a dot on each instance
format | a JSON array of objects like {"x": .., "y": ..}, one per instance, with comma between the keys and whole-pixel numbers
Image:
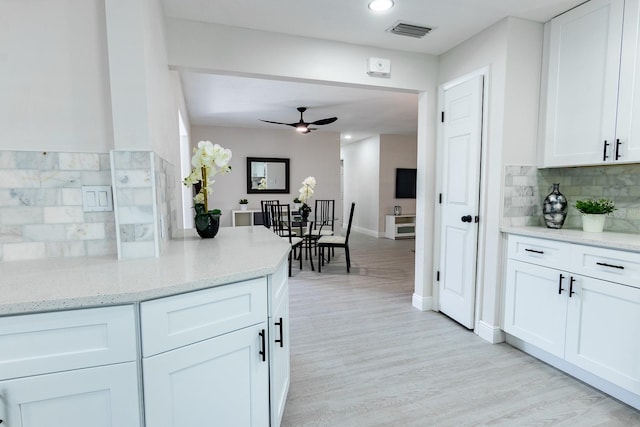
[{"x": 241, "y": 101}]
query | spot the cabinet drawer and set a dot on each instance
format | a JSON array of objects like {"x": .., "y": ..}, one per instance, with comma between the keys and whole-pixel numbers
[
  {"x": 607, "y": 264},
  {"x": 180, "y": 320},
  {"x": 51, "y": 342},
  {"x": 549, "y": 253}
]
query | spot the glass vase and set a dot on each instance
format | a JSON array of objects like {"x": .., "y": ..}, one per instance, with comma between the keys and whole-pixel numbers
[{"x": 554, "y": 208}]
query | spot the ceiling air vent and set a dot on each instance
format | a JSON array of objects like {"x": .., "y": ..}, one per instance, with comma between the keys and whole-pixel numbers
[{"x": 409, "y": 30}]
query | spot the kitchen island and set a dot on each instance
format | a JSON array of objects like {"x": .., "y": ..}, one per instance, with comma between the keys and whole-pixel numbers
[{"x": 200, "y": 333}]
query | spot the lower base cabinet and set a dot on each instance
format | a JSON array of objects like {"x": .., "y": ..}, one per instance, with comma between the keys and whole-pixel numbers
[
  {"x": 222, "y": 381},
  {"x": 105, "y": 396},
  {"x": 586, "y": 322}
]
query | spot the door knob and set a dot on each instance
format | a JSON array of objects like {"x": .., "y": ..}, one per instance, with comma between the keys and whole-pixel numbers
[{"x": 466, "y": 218}]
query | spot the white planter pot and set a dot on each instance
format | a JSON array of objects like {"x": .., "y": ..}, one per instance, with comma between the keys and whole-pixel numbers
[
  {"x": 243, "y": 207},
  {"x": 593, "y": 223}
]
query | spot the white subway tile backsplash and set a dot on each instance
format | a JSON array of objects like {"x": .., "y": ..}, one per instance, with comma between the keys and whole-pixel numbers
[
  {"x": 43, "y": 232},
  {"x": 13, "y": 178},
  {"x": 71, "y": 196},
  {"x": 10, "y": 234},
  {"x": 63, "y": 214},
  {"x": 135, "y": 214},
  {"x": 66, "y": 249},
  {"x": 59, "y": 179},
  {"x": 21, "y": 215},
  {"x": 133, "y": 178},
  {"x": 7, "y": 160},
  {"x": 23, "y": 251},
  {"x": 79, "y": 161},
  {"x": 85, "y": 232}
]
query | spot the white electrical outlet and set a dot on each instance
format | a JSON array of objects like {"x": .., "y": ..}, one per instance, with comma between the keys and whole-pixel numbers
[{"x": 97, "y": 198}]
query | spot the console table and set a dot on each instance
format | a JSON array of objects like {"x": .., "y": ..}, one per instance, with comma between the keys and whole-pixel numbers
[
  {"x": 240, "y": 218},
  {"x": 400, "y": 226}
]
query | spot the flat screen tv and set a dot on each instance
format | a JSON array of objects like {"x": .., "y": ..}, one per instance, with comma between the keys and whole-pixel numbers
[{"x": 405, "y": 183}]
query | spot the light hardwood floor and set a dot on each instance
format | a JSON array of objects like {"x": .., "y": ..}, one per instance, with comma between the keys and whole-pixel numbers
[{"x": 361, "y": 355}]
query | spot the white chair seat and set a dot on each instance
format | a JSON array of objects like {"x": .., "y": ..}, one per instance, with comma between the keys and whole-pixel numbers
[
  {"x": 294, "y": 240},
  {"x": 332, "y": 240},
  {"x": 318, "y": 232}
]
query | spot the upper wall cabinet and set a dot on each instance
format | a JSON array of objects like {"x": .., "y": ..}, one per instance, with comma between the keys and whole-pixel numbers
[{"x": 591, "y": 94}]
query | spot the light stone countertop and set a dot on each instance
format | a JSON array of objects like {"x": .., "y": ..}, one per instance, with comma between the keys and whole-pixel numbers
[
  {"x": 621, "y": 241},
  {"x": 187, "y": 264}
]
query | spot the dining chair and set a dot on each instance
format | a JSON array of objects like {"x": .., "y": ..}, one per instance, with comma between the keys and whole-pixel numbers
[
  {"x": 323, "y": 220},
  {"x": 332, "y": 242},
  {"x": 266, "y": 211},
  {"x": 280, "y": 216}
]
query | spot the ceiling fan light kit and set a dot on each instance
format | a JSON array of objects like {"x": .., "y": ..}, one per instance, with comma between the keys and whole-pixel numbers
[{"x": 302, "y": 126}]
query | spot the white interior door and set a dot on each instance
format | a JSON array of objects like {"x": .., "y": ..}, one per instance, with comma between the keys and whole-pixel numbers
[{"x": 461, "y": 150}]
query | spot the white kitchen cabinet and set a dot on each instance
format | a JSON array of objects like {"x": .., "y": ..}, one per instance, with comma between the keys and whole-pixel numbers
[
  {"x": 603, "y": 326},
  {"x": 69, "y": 368},
  {"x": 105, "y": 396},
  {"x": 571, "y": 313},
  {"x": 535, "y": 310},
  {"x": 592, "y": 96},
  {"x": 279, "y": 343},
  {"x": 584, "y": 46},
  {"x": 220, "y": 381},
  {"x": 218, "y": 356}
]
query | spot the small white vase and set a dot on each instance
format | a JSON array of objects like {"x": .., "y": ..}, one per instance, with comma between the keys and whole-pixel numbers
[
  {"x": 593, "y": 223},
  {"x": 243, "y": 207}
]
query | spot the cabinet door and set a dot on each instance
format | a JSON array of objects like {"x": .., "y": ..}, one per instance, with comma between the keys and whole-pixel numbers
[
  {"x": 628, "y": 122},
  {"x": 279, "y": 351},
  {"x": 106, "y": 396},
  {"x": 536, "y": 305},
  {"x": 221, "y": 381},
  {"x": 582, "y": 86},
  {"x": 603, "y": 326}
]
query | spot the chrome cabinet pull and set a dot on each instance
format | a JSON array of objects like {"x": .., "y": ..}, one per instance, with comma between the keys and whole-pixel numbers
[{"x": 604, "y": 264}]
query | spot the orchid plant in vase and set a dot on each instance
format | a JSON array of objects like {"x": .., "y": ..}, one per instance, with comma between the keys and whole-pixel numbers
[
  {"x": 208, "y": 160},
  {"x": 306, "y": 192}
]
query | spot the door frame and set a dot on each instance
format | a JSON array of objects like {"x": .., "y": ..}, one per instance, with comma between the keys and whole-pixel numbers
[{"x": 480, "y": 254}]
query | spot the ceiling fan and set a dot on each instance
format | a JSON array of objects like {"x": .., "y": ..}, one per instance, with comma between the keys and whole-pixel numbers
[{"x": 302, "y": 126}]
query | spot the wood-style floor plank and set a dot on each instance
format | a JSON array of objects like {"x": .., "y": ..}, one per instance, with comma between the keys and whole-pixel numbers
[{"x": 361, "y": 355}]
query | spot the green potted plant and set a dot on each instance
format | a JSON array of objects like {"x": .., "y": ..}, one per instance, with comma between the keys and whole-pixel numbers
[
  {"x": 594, "y": 213},
  {"x": 243, "y": 204}
]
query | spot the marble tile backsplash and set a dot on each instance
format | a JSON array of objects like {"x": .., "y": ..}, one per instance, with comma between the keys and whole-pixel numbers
[
  {"x": 522, "y": 203},
  {"x": 620, "y": 183},
  {"x": 41, "y": 212},
  {"x": 526, "y": 187}
]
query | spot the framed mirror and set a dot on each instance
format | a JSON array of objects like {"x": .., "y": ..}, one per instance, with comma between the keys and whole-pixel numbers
[{"x": 267, "y": 175}]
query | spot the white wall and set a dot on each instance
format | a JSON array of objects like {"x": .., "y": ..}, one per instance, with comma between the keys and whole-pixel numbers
[
  {"x": 361, "y": 177},
  {"x": 54, "y": 79},
  {"x": 512, "y": 45},
  {"x": 218, "y": 48},
  {"x": 396, "y": 151},
  {"x": 315, "y": 154}
]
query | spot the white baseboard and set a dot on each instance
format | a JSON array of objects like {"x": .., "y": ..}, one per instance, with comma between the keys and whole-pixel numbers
[
  {"x": 493, "y": 334},
  {"x": 422, "y": 303},
  {"x": 366, "y": 231}
]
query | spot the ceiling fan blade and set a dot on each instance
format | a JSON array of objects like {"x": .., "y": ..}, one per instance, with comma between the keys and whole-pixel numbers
[
  {"x": 324, "y": 121},
  {"x": 279, "y": 123}
]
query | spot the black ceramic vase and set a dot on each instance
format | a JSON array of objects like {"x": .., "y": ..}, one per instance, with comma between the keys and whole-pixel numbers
[
  {"x": 554, "y": 209},
  {"x": 207, "y": 223},
  {"x": 304, "y": 212}
]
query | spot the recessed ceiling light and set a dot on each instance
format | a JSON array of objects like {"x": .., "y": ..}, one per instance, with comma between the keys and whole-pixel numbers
[
  {"x": 380, "y": 5},
  {"x": 347, "y": 137}
]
